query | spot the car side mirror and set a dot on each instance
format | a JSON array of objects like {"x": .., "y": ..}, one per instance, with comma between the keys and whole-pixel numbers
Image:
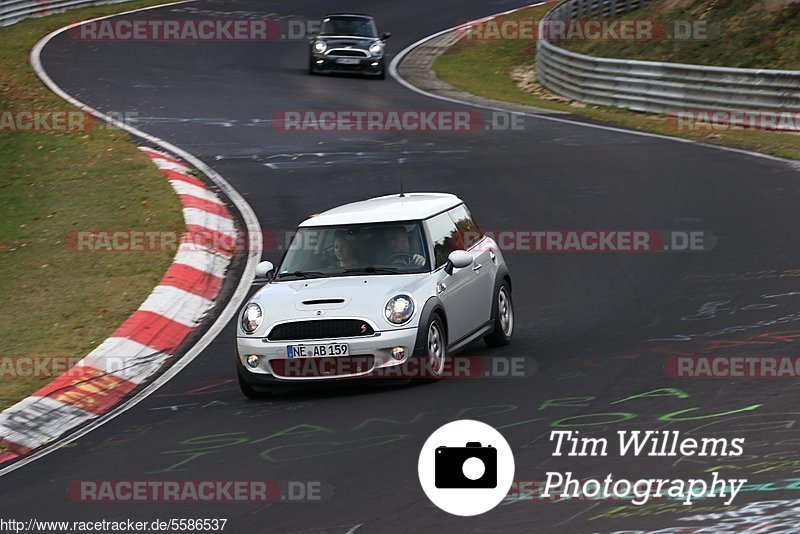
[
  {"x": 385, "y": 35},
  {"x": 457, "y": 259},
  {"x": 312, "y": 34},
  {"x": 264, "y": 270}
]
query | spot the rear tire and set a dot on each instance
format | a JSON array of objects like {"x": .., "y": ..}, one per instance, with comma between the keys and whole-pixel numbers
[
  {"x": 248, "y": 390},
  {"x": 503, "y": 318}
]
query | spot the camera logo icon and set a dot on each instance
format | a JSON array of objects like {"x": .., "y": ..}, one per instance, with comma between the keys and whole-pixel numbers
[
  {"x": 472, "y": 466},
  {"x": 466, "y": 467}
]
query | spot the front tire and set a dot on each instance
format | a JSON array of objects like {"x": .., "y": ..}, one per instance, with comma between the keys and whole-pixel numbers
[
  {"x": 503, "y": 318},
  {"x": 434, "y": 352},
  {"x": 248, "y": 390}
]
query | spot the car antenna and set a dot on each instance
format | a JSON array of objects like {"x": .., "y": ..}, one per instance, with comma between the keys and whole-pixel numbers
[{"x": 401, "y": 161}]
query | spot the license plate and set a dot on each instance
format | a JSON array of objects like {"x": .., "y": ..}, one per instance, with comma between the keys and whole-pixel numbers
[
  {"x": 348, "y": 61},
  {"x": 317, "y": 351}
]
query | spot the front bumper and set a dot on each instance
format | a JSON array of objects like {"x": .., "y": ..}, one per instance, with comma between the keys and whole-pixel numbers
[
  {"x": 368, "y": 356},
  {"x": 365, "y": 65}
]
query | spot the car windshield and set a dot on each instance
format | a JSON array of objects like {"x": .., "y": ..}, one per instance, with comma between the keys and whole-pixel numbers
[
  {"x": 358, "y": 249},
  {"x": 356, "y": 26}
]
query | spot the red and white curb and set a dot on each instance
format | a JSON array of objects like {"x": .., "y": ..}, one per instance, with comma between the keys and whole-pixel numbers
[{"x": 148, "y": 338}]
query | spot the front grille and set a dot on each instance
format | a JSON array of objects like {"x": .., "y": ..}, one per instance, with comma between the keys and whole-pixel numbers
[
  {"x": 323, "y": 367},
  {"x": 323, "y": 329},
  {"x": 347, "y": 52}
]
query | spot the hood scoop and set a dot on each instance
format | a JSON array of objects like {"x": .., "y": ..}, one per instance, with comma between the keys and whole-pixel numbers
[{"x": 322, "y": 303}]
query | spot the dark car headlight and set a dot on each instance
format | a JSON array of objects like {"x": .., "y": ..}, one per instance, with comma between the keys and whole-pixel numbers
[{"x": 320, "y": 46}]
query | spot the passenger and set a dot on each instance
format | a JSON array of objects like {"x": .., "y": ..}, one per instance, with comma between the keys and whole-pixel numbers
[{"x": 345, "y": 249}]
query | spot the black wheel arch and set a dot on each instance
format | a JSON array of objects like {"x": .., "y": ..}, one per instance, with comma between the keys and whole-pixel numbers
[
  {"x": 433, "y": 305},
  {"x": 502, "y": 276}
]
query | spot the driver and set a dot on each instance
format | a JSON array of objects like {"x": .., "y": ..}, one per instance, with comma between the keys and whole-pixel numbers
[{"x": 400, "y": 248}]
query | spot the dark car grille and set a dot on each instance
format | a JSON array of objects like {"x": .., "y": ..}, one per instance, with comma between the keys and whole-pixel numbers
[
  {"x": 324, "y": 329},
  {"x": 348, "y": 53}
]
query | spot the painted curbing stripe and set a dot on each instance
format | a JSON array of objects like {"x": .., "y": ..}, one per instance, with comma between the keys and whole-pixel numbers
[
  {"x": 178, "y": 177},
  {"x": 166, "y": 165},
  {"x": 187, "y": 188},
  {"x": 221, "y": 243},
  {"x": 126, "y": 359},
  {"x": 92, "y": 390},
  {"x": 154, "y": 330},
  {"x": 10, "y": 450},
  {"x": 153, "y": 153},
  {"x": 196, "y": 217},
  {"x": 35, "y": 421},
  {"x": 193, "y": 280},
  {"x": 177, "y": 305},
  {"x": 202, "y": 258},
  {"x": 191, "y": 201}
]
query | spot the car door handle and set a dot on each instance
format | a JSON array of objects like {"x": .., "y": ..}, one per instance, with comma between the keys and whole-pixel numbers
[{"x": 477, "y": 267}]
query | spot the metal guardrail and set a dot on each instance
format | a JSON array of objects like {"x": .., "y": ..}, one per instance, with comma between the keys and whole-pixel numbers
[
  {"x": 13, "y": 11},
  {"x": 655, "y": 86}
]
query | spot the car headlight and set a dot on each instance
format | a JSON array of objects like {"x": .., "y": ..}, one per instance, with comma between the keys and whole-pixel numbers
[
  {"x": 251, "y": 318},
  {"x": 320, "y": 46},
  {"x": 399, "y": 309},
  {"x": 376, "y": 49}
]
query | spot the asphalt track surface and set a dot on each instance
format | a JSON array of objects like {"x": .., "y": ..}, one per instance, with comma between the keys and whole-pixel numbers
[{"x": 590, "y": 322}]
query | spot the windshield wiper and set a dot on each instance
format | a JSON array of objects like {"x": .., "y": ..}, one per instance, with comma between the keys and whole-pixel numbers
[
  {"x": 372, "y": 269},
  {"x": 302, "y": 274}
]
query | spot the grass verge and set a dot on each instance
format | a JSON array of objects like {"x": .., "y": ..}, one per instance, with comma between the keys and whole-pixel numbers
[
  {"x": 57, "y": 304},
  {"x": 485, "y": 68}
]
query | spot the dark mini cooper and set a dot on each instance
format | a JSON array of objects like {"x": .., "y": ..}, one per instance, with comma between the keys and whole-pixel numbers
[{"x": 348, "y": 43}]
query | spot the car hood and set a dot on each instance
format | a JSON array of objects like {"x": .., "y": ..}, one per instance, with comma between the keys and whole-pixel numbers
[{"x": 345, "y": 296}]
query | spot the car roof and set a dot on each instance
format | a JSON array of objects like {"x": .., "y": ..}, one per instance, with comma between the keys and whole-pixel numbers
[{"x": 411, "y": 207}]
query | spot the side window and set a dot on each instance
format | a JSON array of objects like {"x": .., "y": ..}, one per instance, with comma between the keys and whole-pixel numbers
[
  {"x": 443, "y": 235},
  {"x": 468, "y": 231}
]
